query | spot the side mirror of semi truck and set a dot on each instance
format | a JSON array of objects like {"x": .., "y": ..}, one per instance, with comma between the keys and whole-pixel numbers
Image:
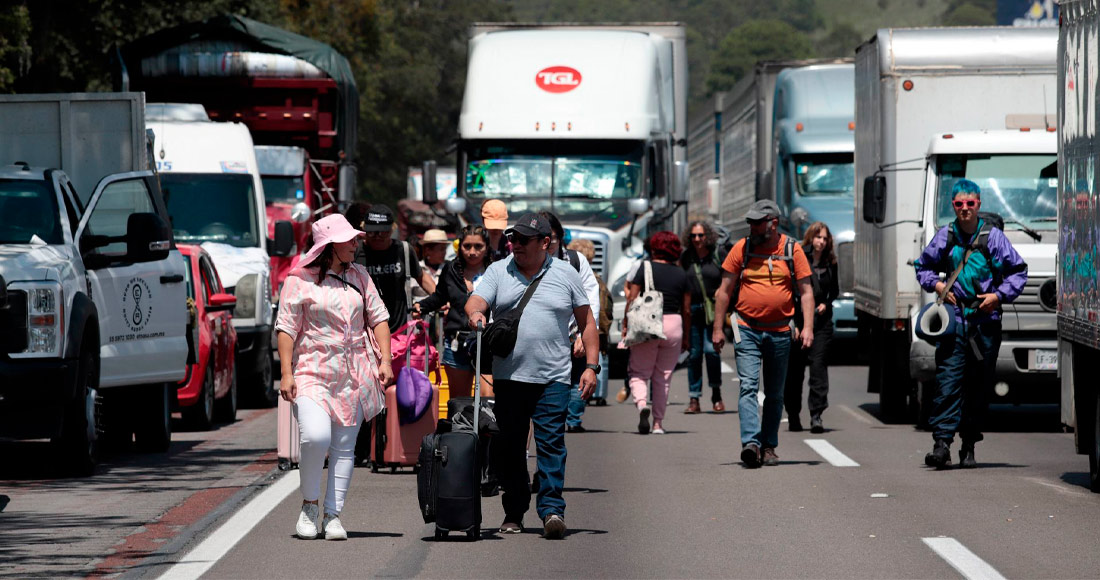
[
  {"x": 283, "y": 243},
  {"x": 455, "y": 205},
  {"x": 874, "y": 199},
  {"x": 427, "y": 183},
  {"x": 680, "y": 187}
]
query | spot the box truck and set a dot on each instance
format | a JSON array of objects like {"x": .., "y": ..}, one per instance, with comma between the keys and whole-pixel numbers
[
  {"x": 93, "y": 310},
  {"x": 934, "y": 106},
  {"x": 587, "y": 121},
  {"x": 1079, "y": 230}
]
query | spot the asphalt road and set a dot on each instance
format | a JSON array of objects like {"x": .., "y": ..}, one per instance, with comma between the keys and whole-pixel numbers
[{"x": 677, "y": 505}]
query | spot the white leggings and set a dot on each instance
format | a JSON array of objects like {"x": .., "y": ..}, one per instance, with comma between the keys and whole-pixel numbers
[{"x": 321, "y": 436}]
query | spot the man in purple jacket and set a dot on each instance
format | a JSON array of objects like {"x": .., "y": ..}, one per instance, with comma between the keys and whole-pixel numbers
[{"x": 994, "y": 274}]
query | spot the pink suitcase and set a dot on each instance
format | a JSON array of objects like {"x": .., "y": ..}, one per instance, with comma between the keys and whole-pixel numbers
[
  {"x": 289, "y": 446},
  {"x": 394, "y": 445}
]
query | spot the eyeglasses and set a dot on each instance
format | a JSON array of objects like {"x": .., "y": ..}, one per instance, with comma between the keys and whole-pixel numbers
[
  {"x": 698, "y": 236},
  {"x": 961, "y": 203}
]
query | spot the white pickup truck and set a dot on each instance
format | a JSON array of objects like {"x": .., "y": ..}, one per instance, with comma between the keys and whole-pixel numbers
[{"x": 93, "y": 308}]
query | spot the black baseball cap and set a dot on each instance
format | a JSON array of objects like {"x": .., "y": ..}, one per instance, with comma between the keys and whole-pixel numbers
[
  {"x": 531, "y": 225},
  {"x": 378, "y": 218}
]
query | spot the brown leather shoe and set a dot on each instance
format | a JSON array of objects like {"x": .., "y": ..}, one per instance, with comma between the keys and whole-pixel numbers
[
  {"x": 719, "y": 407},
  {"x": 693, "y": 407}
]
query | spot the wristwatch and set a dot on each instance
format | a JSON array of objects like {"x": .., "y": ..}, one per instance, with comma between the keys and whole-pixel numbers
[{"x": 595, "y": 368}]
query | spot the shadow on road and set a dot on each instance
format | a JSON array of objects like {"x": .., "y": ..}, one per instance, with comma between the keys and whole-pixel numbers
[
  {"x": 1001, "y": 418},
  {"x": 1078, "y": 478},
  {"x": 583, "y": 490}
]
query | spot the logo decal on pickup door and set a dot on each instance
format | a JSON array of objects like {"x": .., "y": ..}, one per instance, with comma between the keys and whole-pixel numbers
[
  {"x": 137, "y": 304},
  {"x": 558, "y": 79}
]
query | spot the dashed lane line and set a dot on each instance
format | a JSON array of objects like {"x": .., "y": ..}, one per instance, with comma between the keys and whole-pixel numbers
[
  {"x": 217, "y": 545},
  {"x": 962, "y": 559},
  {"x": 860, "y": 415},
  {"x": 726, "y": 368},
  {"x": 830, "y": 453}
]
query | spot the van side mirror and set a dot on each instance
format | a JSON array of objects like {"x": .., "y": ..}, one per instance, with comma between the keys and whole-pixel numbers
[
  {"x": 148, "y": 238},
  {"x": 427, "y": 182},
  {"x": 283, "y": 243},
  {"x": 874, "y": 199}
]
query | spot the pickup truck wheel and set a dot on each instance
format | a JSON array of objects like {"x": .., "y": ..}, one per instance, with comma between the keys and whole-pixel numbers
[
  {"x": 1094, "y": 449},
  {"x": 153, "y": 432},
  {"x": 266, "y": 393},
  {"x": 225, "y": 409},
  {"x": 200, "y": 416},
  {"x": 80, "y": 435}
]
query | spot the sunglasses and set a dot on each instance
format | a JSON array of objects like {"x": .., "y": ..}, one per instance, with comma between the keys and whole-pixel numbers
[
  {"x": 520, "y": 239},
  {"x": 961, "y": 203},
  {"x": 698, "y": 235}
]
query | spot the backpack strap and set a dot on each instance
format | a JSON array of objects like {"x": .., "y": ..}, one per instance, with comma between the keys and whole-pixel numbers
[
  {"x": 574, "y": 259},
  {"x": 408, "y": 276}
]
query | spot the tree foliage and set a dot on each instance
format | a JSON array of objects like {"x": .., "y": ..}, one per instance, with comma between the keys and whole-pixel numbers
[
  {"x": 971, "y": 14},
  {"x": 751, "y": 42},
  {"x": 15, "y": 49}
]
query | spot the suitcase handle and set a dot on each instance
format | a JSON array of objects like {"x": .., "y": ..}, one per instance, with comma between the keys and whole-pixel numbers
[{"x": 477, "y": 380}]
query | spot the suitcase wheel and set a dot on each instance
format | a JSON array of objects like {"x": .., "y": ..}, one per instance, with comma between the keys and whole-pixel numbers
[
  {"x": 440, "y": 534},
  {"x": 373, "y": 467},
  {"x": 393, "y": 470},
  {"x": 473, "y": 534}
]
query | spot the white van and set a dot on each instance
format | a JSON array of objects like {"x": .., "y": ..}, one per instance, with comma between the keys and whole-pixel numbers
[{"x": 214, "y": 195}]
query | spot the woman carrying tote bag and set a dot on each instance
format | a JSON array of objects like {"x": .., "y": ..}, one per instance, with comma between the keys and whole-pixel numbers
[{"x": 653, "y": 355}]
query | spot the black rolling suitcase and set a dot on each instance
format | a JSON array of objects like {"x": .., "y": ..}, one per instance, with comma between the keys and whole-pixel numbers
[{"x": 449, "y": 476}]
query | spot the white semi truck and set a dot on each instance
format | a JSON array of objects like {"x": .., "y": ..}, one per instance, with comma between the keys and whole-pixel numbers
[
  {"x": 934, "y": 106},
  {"x": 93, "y": 309},
  {"x": 1079, "y": 227},
  {"x": 586, "y": 121}
]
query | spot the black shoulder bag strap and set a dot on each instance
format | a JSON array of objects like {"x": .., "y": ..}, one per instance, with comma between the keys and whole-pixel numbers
[{"x": 527, "y": 295}]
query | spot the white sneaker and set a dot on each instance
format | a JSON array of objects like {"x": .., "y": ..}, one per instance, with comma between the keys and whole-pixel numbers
[
  {"x": 307, "y": 521},
  {"x": 334, "y": 530},
  {"x": 658, "y": 430}
]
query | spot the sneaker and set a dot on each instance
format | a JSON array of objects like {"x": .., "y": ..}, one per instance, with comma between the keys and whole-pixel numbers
[
  {"x": 658, "y": 429},
  {"x": 511, "y": 527},
  {"x": 553, "y": 528},
  {"x": 334, "y": 530},
  {"x": 307, "y": 521},
  {"x": 816, "y": 426},
  {"x": 693, "y": 407},
  {"x": 622, "y": 394},
  {"x": 575, "y": 429},
  {"x": 966, "y": 457},
  {"x": 750, "y": 455},
  {"x": 940, "y": 456},
  {"x": 770, "y": 458},
  {"x": 643, "y": 420},
  {"x": 794, "y": 423}
]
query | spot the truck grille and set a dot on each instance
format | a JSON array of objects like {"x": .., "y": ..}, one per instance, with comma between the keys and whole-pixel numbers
[
  {"x": 1039, "y": 295},
  {"x": 845, "y": 257},
  {"x": 13, "y": 323},
  {"x": 600, "y": 241}
]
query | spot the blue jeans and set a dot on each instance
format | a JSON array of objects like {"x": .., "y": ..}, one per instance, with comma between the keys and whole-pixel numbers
[
  {"x": 518, "y": 405},
  {"x": 963, "y": 381},
  {"x": 767, "y": 349},
  {"x": 702, "y": 347},
  {"x": 577, "y": 404}
]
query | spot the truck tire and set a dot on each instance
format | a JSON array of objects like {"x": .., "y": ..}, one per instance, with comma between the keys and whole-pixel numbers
[
  {"x": 200, "y": 416},
  {"x": 264, "y": 390},
  {"x": 153, "y": 427},
  {"x": 225, "y": 409},
  {"x": 1094, "y": 449},
  {"x": 80, "y": 441},
  {"x": 896, "y": 386}
]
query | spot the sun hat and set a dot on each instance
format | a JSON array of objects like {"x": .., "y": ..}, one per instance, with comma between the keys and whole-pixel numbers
[
  {"x": 331, "y": 229},
  {"x": 494, "y": 214},
  {"x": 434, "y": 236}
]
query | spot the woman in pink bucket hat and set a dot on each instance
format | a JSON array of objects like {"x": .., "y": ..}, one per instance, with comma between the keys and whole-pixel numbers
[{"x": 334, "y": 347}]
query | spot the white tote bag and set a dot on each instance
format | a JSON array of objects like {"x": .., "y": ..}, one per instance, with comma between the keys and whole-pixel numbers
[{"x": 645, "y": 319}]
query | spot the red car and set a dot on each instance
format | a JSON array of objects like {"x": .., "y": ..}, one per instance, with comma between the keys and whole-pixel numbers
[{"x": 209, "y": 391}]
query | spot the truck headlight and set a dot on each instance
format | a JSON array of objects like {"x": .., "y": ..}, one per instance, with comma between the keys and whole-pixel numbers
[
  {"x": 246, "y": 296},
  {"x": 45, "y": 318},
  {"x": 618, "y": 289}
]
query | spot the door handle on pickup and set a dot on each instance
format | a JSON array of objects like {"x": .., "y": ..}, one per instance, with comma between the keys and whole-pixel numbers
[{"x": 171, "y": 279}]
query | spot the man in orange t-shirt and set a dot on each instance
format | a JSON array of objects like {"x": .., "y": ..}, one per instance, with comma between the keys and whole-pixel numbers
[{"x": 763, "y": 311}]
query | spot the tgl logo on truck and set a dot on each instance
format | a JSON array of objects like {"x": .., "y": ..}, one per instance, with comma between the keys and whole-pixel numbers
[{"x": 558, "y": 79}]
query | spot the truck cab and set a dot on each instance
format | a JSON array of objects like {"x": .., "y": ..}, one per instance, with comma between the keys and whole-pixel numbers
[
  {"x": 814, "y": 125},
  {"x": 94, "y": 312},
  {"x": 1018, "y": 176}
]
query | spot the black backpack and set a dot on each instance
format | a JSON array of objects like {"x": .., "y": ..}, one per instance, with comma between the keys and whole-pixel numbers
[{"x": 746, "y": 254}]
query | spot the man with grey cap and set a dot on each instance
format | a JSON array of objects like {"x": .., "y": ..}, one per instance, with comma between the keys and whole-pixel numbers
[
  {"x": 532, "y": 384},
  {"x": 760, "y": 277}
]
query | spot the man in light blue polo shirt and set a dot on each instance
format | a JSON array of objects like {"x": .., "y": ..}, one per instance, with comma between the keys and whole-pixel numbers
[{"x": 532, "y": 384}]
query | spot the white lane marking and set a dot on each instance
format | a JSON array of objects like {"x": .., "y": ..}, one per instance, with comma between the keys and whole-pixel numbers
[
  {"x": 217, "y": 545},
  {"x": 830, "y": 453},
  {"x": 860, "y": 415},
  {"x": 1059, "y": 488},
  {"x": 962, "y": 560},
  {"x": 726, "y": 368}
]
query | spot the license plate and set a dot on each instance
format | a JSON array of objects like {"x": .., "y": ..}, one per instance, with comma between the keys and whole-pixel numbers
[{"x": 1046, "y": 360}]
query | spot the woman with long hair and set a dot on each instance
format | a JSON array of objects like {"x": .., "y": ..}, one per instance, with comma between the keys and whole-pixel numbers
[
  {"x": 457, "y": 281},
  {"x": 653, "y": 361},
  {"x": 334, "y": 348},
  {"x": 703, "y": 266},
  {"x": 818, "y": 245}
]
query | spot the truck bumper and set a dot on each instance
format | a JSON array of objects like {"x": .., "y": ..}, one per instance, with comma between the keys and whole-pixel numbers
[
  {"x": 33, "y": 394},
  {"x": 253, "y": 346},
  {"x": 1015, "y": 368}
]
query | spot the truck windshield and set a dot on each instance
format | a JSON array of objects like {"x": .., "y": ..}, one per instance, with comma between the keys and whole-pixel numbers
[
  {"x": 28, "y": 208},
  {"x": 609, "y": 170},
  {"x": 284, "y": 189},
  {"x": 1020, "y": 188},
  {"x": 824, "y": 174},
  {"x": 211, "y": 207}
]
